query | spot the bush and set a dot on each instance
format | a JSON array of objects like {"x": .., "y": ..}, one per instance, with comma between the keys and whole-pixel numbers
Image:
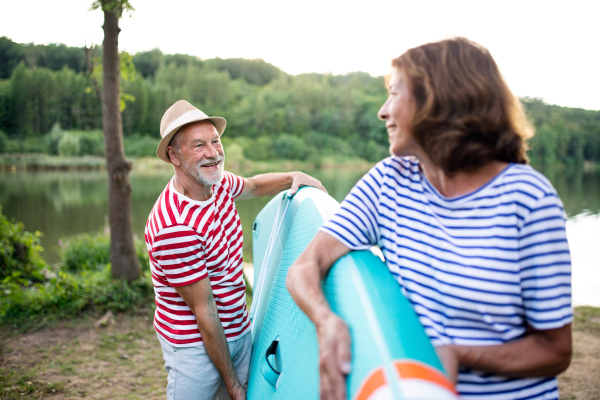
[
  {"x": 141, "y": 146},
  {"x": 83, "y": 279},
  {"x": 259, "y": 149},
  {"x": 34, "y": 145},
  {"x": 19, "y": 253},
  {"x": 289, "y": 147},
  {"x": 53, "y": 138},
  {"x": 68, "y": 146},
  {"x": 91, "y": 143},
  {"x": 67, "y": 295},
  {"x": 3, "y": 142},
  {"x": 87, "y": 252}
]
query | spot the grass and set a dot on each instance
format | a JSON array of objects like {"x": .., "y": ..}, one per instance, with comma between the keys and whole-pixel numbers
[
  {"x": 122, "y": 361},
  {"x": 587, "y": 319}
]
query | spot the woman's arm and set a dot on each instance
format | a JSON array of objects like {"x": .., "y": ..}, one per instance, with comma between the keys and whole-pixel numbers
[
  {"x": 539, "y": 353},
  {"x": 304, "y": 283}
]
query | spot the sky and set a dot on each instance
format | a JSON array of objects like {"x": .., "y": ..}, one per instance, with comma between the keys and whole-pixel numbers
[{"x": 546, "y": 49}]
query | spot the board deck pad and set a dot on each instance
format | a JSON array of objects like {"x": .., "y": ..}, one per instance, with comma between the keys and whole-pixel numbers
[{"x": 392, "y": 356}]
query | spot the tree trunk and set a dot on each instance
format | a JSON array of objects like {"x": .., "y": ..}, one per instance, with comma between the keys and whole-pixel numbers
[{"x": 122, "y": 252}]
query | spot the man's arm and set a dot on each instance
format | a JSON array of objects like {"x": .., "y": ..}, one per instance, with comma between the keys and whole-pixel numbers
[
  {"x": 304, "y": 283},
  {"x": 199, "y": 297},
  {"x": 273, "y": 183},
  {"x": 539, "y": 353}
]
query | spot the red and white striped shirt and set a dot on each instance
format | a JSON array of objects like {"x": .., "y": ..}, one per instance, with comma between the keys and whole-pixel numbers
[{"x": 190, "y": 240}]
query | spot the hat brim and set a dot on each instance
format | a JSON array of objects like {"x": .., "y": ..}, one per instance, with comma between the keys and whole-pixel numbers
[{"x": 187, "y": 118}]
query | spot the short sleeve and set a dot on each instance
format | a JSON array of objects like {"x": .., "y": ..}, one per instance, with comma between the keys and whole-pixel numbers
[
  {"x": 236, "y": 183},
  {"x": 545, "y": 265},
  {"x": 179, "y": 253},
  {"x": 355, "y": 224}
]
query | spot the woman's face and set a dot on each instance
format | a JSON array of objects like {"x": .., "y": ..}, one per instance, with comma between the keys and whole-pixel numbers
[{"x": 397, "y": 112}]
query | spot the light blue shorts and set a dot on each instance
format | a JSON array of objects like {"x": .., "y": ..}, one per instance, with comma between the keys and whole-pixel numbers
[{"x": 193, "y": 376}]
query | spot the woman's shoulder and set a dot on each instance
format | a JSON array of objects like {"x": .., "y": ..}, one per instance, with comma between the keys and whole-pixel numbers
[
  {"x": 524, "y": 179},
  {"x": 398, "y": 168}
]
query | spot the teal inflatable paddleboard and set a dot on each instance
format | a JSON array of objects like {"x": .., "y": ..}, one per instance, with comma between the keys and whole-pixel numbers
[{"x": 392, "y": 357}]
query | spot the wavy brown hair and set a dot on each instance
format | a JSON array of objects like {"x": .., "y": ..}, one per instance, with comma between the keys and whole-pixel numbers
[{"x": 466, "y": 116}]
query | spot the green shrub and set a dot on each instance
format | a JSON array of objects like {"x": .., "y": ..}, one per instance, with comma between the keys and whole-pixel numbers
[
  {"x": 19, "y": 252},
  {"x": 34, "y": 145},
  {"x": 141, "y": 146},
  {"x": 13, "y": 146},
  {"x": 91, "y": 143},
  {"x": 83, "y": 280},
  {"x": 53, "y": 138},
  {"x": 68, "y": 146},
  {"x": 3, "y": 142},
  {"x": 260, "y": 149},
  {"x": 67, "y": 295},
  {"x": 289, "y": 147},
  {"x": 87, "y": 252}
]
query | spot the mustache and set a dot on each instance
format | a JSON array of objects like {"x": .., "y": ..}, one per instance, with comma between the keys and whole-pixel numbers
[{"x": 211, "y": 160}]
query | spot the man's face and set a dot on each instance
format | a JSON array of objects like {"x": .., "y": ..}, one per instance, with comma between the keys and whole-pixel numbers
[{"x": 201, "y": 153}]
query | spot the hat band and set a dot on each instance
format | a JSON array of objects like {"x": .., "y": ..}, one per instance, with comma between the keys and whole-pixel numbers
[{"x": 190, "y": 116}]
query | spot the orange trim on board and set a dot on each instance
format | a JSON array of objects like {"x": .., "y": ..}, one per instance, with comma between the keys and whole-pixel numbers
[
  {"x": 371, "y": 384},
  {"x": 411, "y": 369}
]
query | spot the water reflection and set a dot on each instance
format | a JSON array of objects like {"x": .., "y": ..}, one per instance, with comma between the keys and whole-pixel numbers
[{"x": 61, "y": 204}]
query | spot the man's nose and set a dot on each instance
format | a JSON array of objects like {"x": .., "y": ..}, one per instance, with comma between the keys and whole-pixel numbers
[{"x": 211, "y": 152}]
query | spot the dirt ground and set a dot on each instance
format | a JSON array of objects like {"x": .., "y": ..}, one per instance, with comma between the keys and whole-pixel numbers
[{"x": 74, "y": 360}]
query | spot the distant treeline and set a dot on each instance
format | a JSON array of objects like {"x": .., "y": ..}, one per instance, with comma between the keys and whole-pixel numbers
[{"x": 270, "y": 113}]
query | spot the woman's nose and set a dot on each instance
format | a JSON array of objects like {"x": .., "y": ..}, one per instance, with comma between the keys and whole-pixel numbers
[{"x": 382, "y": 114}]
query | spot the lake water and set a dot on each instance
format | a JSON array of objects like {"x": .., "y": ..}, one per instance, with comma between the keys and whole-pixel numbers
[{"x": 61, "y": 204}]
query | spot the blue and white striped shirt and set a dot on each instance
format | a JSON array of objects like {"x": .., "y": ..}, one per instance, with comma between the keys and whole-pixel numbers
[{"x": 476, "y": 268}]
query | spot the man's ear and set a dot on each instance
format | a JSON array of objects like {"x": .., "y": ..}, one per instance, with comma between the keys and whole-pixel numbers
[{"x": 173, "y": 156}]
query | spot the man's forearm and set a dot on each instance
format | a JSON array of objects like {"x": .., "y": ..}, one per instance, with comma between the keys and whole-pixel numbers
[
  {"x": 540, "y": 353},
  {"x": 272, "y": 183},
  {"x": 216, "y": 346}
]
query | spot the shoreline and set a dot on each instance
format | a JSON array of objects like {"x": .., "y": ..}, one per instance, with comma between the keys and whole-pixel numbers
[{"x": 36, "y": 162}]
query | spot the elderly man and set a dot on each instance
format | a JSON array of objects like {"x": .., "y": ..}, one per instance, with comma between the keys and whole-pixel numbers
[{"x": 194, "y": 239}]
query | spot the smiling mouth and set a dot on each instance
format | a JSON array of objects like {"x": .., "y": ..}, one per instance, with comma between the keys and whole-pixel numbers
[{"x": 211, "y": 165}]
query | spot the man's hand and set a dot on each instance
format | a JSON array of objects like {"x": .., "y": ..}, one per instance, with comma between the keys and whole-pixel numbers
[
  {"x": 237, "y": 392},
  {"x": 334, "y": 357},
  {"x": 301, "y": 179}
]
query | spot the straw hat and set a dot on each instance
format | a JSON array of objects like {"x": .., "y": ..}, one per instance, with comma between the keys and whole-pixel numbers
[{"x": 178, "y": 115}]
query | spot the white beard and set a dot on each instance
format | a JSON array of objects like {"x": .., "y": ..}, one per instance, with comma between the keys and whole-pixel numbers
[{"x": 210, "y": 178}]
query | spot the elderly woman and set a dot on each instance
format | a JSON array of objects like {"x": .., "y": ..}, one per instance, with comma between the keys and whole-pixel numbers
[{"x": 473, "y": 235}]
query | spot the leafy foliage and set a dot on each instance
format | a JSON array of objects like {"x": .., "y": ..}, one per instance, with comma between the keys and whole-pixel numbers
[
  {"x": 87, "y": 252},
  {"x": 3, "y": 142},
  {"x": 270, "y": 114},
  {"x": 20, "y": 259},
  {"x": 83, "y": 280}
]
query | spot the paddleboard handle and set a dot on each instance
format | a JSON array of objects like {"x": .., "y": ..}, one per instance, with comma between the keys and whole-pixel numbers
[{"x": 268, "y": 370}]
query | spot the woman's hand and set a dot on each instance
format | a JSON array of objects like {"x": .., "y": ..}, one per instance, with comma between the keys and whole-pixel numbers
[
  {"x": 449, "y": 358},
  {"x": 334, "y": 357}
]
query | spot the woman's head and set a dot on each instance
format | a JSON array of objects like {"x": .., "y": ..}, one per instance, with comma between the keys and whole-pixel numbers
[{"x": 462, "y": 114}]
